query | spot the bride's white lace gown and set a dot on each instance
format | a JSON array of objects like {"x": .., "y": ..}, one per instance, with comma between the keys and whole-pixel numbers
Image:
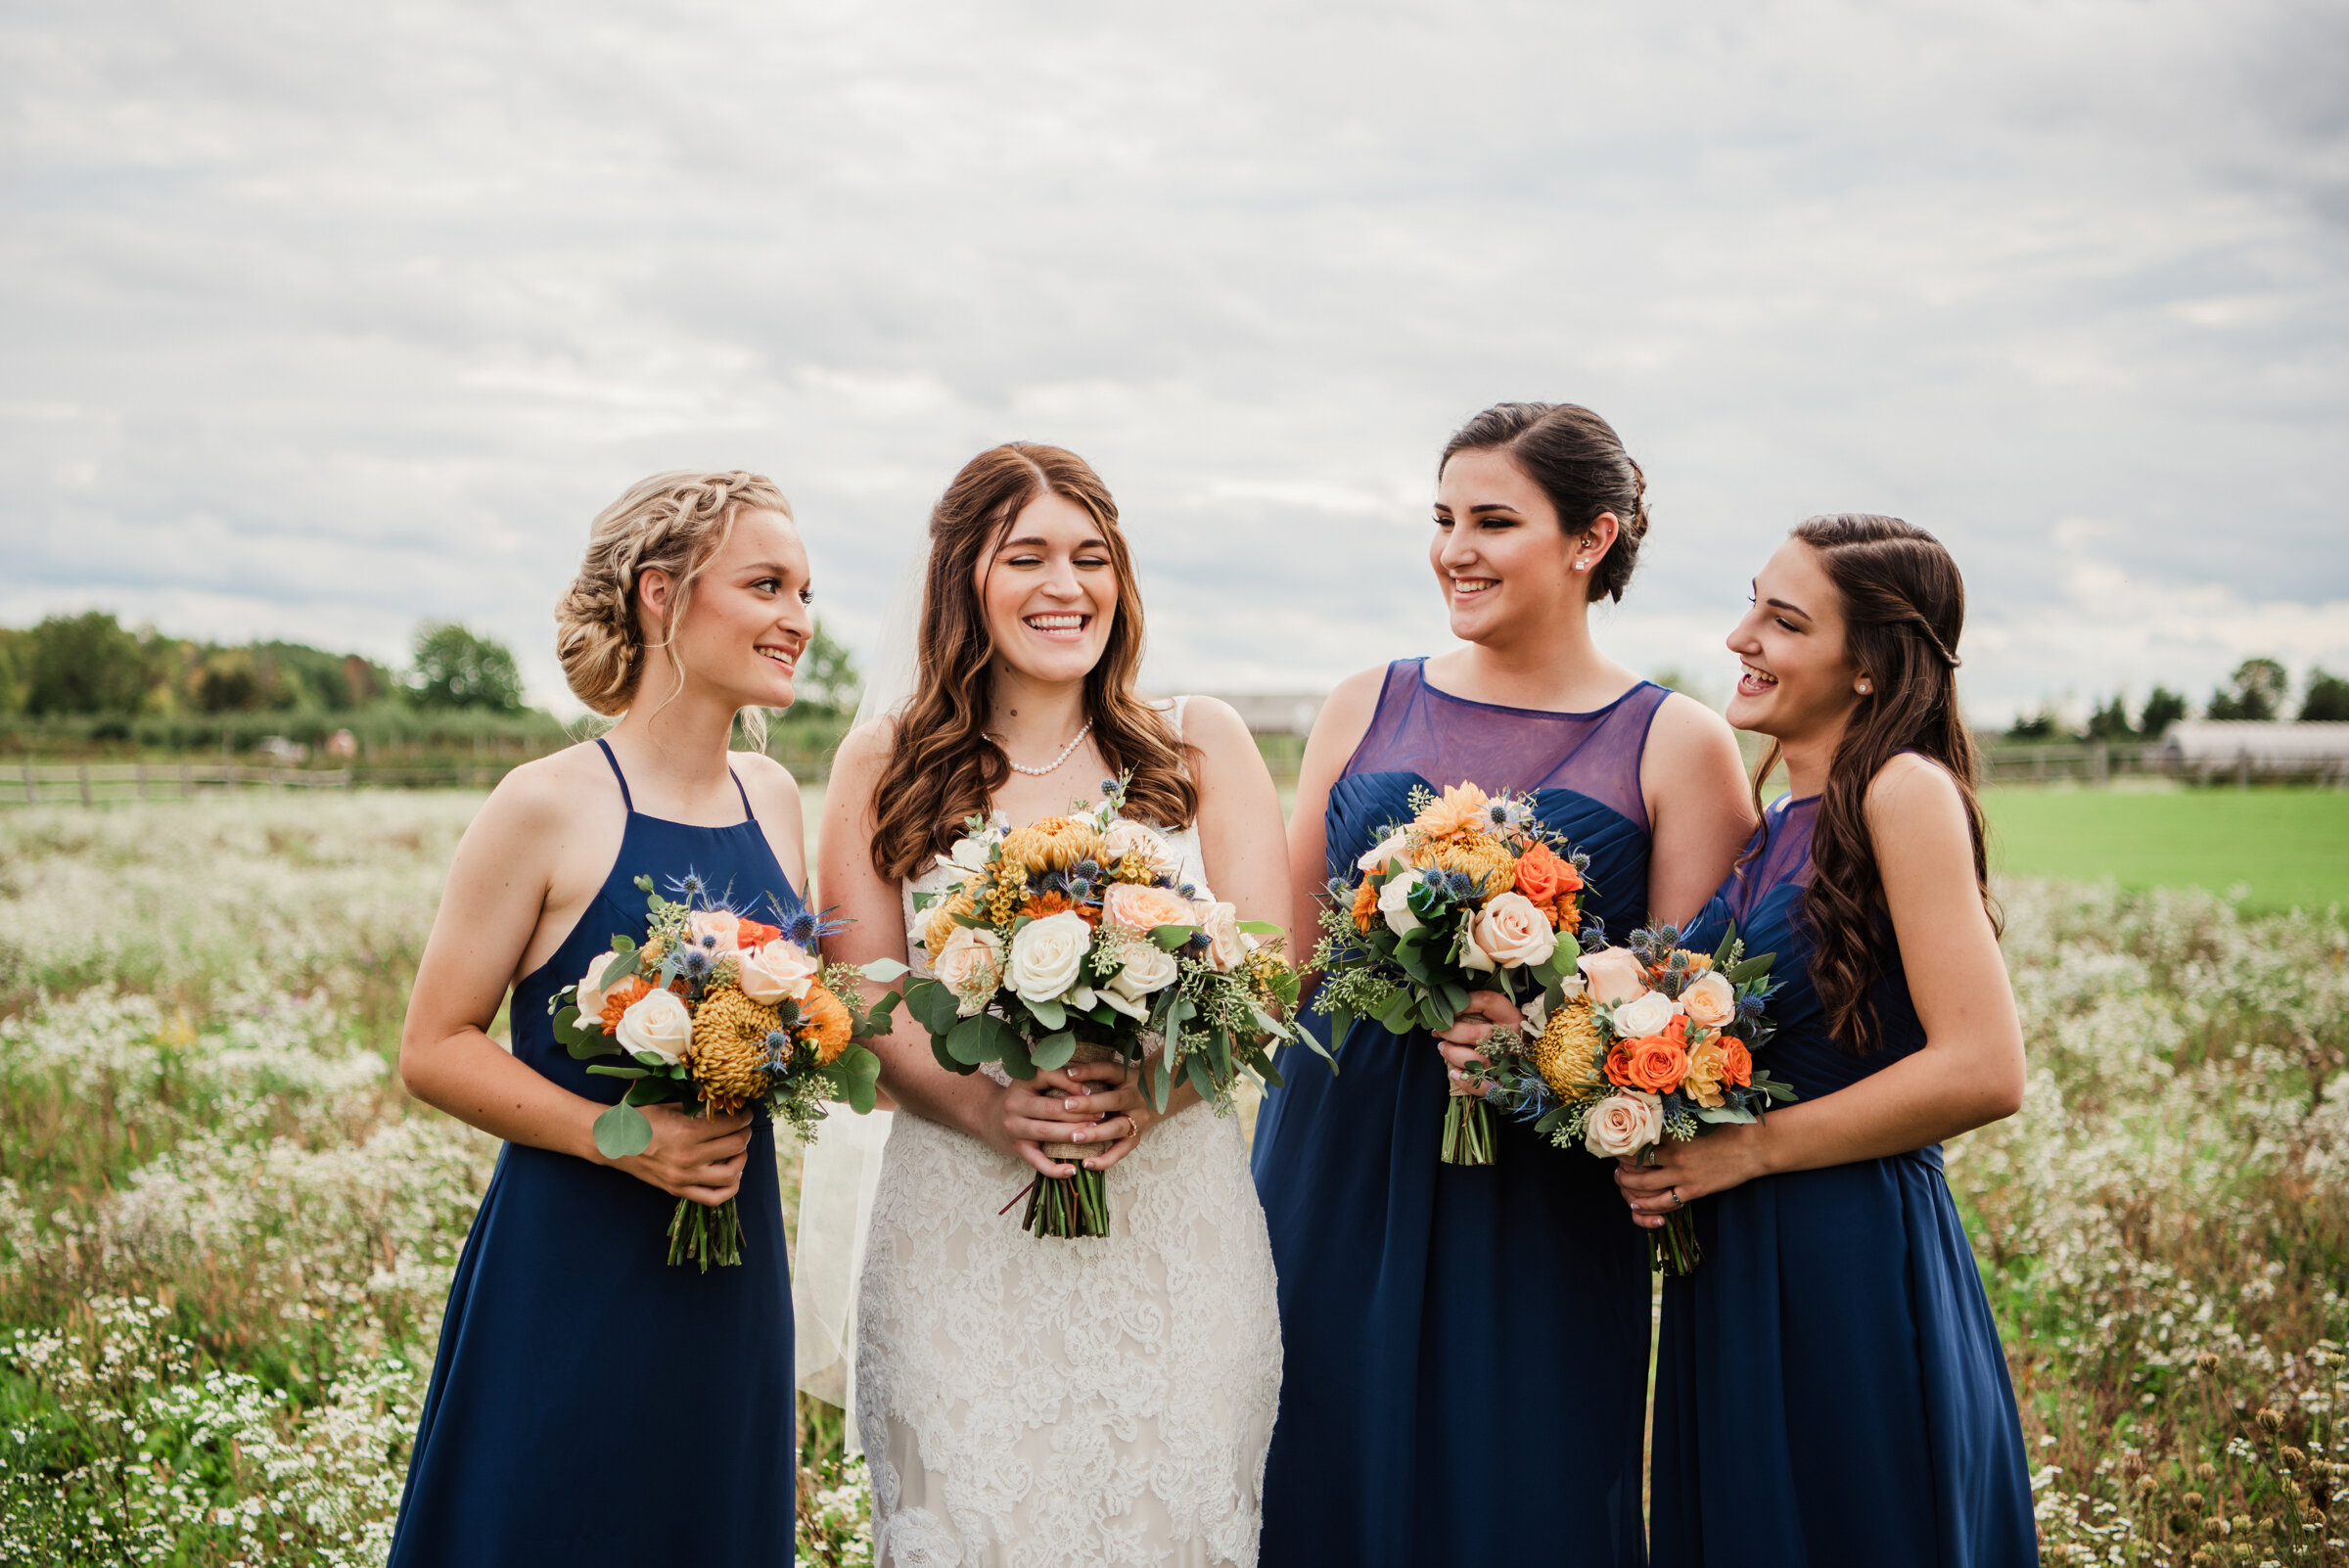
[{"x": 1043, "y": 1404}]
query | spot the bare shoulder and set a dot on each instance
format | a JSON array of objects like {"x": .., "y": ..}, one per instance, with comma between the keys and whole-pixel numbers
[
  {"x": 1913, "y": 802},
  {"x": 1216, "y": 727},
  {"x": 1345, "y": 718},
  {"x": 866, "y": 749},
  {"x": 769, "y": 783},
  {"x": 1685, "y": 727},
  {"x": 542, "y": 794}
]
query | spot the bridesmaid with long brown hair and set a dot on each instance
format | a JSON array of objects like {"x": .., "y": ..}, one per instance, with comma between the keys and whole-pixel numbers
[
  {"x": 1829, "y": 1387},
  {"x": 1023, "y": 1400}
]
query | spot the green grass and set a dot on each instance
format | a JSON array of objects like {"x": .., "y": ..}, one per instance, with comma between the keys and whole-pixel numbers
[{"x": 2289, "y": 847}]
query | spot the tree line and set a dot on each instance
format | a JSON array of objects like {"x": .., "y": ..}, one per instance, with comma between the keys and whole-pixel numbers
[
  {"x": 91, "y": 665},
  {"x": 2259, "y": 689}
]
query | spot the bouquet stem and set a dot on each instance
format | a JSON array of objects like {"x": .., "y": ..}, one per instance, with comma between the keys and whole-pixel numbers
[
  {"x": 1072, "y": 1206},
  {"x": 1672, "y": 1250},
  {"x": 1467, "y": 1131},
  {"x": 698, "y": 1233}
]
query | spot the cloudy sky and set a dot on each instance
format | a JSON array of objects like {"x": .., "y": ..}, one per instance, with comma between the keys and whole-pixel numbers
[{"x": 324, "y": 319}]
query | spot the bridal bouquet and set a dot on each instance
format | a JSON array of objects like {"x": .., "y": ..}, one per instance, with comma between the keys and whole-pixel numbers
[
  {"x": 717, "y": 1011},
  {"x": 1653, "y": 1041},
  {"x": 1070, "y": 939},
  {"x": 1472, "y": 894}
]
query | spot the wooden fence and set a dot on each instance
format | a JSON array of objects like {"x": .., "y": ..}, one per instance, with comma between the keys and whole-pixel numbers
[{"x": 94, "y": 783}]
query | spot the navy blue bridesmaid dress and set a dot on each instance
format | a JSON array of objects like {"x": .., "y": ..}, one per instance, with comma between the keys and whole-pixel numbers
[
  {"x": 1449, "y": 1330},
  {"x": 1829, "y": 1384},
  {"x": 590, "y": 1403}
]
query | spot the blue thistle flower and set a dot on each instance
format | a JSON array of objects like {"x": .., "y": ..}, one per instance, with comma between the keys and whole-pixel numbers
[
  {"x": 690, "y": 886},
  {"x": 1088, "y": 869},
  {"x": 803, "y": 928},
  {"x": 696, "y": 962},
  {"x": 779, "y": 1046}
]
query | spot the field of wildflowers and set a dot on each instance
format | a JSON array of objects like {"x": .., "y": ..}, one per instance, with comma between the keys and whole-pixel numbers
[{"x": 225, "y": 1235}]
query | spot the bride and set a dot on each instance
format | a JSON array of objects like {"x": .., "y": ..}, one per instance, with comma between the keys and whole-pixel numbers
[{"x": 1025, "y": 1400}]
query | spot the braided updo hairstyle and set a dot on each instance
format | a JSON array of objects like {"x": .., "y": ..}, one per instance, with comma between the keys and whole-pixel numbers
[
  {"x": 673, "y": 522},
  {"x": 1580, "y": 463}
]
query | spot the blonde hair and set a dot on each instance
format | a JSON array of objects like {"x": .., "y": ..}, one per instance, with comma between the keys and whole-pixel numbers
[{"x": 673, "y": 523}]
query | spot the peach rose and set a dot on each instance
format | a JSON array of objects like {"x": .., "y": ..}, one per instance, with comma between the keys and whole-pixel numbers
[
  {"x": 1126, "y": 838},
  {"x": 1622, "y": 1124},
  {"x": 724, "y": 924},
  {"x": 1512, "y": 931},
  {"x": 1227, "y": 944},
  {"x": 1545, "y": 876},
  {"x": 1655, "y": 1062},
  {"x": 971, "y": 966},
  {"x": 657, "y": 1023},
  {"x": 1142, "y": 910},
  {"x": 779, "y": 969},
  {"x": 1376, "y": 858},
  {"x": 1614, "y": 974},
  {"x": 1705, "y": 1065},
  {"x": 1711, "y": 1001}
]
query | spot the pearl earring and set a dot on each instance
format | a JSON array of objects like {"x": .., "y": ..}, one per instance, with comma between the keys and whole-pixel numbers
[
  {"x": 1582, "y": 566},
  {"x": 1864, "y": 688}
]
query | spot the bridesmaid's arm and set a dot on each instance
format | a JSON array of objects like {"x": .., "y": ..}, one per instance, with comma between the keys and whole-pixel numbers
[
  {"x": 1700, "y": 808},
  {"x": 497, "y": 894},
  {"x": 1339, "y": 728},
  {"x": 875, "y": 910},
  {"x": 1970, "y": 1070}
]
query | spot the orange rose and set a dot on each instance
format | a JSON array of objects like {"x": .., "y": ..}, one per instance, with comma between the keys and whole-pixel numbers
[
  {"x": 824, "y": 1023},
  {"x": 619, "y": 998},
  {"x": 1619, "y": 1065},
  {"x": 1542, "y": 874},
  {"x": 1736, "y": 1062},
  {"x": 1365, "y": 905},
  {"x": 753, "y": 933},
  {"x": 1655, "y": 1063}
]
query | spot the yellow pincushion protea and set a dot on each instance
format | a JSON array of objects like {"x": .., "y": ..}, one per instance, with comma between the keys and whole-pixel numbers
[
  {"x": 940, "y": 923},
  {"x": 1053, "y": 844},
  {"x": 1568, "y": 1052},
  {"x": 1479, "y": 855},
  {"x": 729, "y": 1047},
  {"x": 1004, "y": 900},
  {"x": 1135, "y": 868}
]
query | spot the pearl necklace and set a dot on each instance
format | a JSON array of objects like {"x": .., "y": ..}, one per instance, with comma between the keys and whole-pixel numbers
[{"x": 1054, "y": 767}]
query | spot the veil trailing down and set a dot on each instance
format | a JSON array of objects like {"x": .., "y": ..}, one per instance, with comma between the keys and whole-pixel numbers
[{"x": 841, "y": 1166}]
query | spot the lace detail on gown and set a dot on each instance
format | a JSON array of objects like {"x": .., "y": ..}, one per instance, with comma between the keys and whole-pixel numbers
[{"x": 1032, "y": 1403}]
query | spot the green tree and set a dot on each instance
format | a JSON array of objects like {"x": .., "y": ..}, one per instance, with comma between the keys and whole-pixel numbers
[
  {"x": 15, "y": 648},
  {"x": 2163, "y": 707},
  {"x": 828, "y": 680},
  {"x": 2327, "y": 699},
  {"x": 2043, "y": 725},
  {"x": 2111, "y": 723},
  {"x": 85, "y": 664},
  {"x": 459, "y": 669},
  {"x": 2255, "y": 690}
]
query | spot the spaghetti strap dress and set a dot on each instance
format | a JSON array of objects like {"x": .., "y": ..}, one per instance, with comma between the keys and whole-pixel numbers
[
  {"x": 589, "y": 1403},
  {"x": 1829, "y": 1383},
  {"x": 1439, "y": 1321}
]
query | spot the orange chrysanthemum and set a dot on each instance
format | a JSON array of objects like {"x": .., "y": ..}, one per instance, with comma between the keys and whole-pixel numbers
[
  {"x": 1455, "y": 814},
  {"x": 824, "y": 1023},
  {"x": 1365, "y": 905},
  {"x": 619, "y": 998}
]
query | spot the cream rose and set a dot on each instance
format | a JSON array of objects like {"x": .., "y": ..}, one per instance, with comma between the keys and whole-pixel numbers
[
  {"x": 970, "y": 853},
  {"x": 1376, "y": 858},
  {"x": 1126, "y": 838},
  {"x": 777, "y": 970},
  {"x": 1614, "y": 975},
  {"x": 1148, "y": 969},
  {"x": 592, "y": 991},
  {"x": 1047, "y": 956},
  {"x": 1512, "y": 931},
  {"x": 1643, "y": 1015},
  {"x": 1472, "y": 954},
  {"x": 1623, "y": 1123},
  {"x": 1228, "y": 944},
  {"x": 657, "y": 1023},
  {"x": 1394, "y": 903},
  {"x": 971, "y": 966},
  {"x": 722, "y": 923},
  {"x": 1712, "y": 1001},
  {"x": 1144, "y": 909}
]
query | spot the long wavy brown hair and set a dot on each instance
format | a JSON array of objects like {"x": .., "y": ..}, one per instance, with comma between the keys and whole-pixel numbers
[
  {"x": 943, "y": 767},
  {"x": 1903, "y": 607}
]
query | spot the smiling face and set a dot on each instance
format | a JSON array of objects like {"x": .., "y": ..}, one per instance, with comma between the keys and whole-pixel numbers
[
  {"x": 1798, "y": 681},
  {"x": 1049, "y": 591},
  {"x": 748, "y": 620},
  {"x": 1498, "y": 553}
]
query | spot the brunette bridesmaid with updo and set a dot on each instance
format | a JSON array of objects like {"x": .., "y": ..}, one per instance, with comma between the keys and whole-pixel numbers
[{"x": 1444, "y": 1322}]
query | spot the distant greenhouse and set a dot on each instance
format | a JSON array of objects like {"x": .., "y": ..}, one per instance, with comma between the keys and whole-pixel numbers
[{"x": 2249, "y": 749}]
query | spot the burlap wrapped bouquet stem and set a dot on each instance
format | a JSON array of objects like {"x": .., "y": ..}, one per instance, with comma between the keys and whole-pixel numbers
[{"x": 1086, "y": 1051}]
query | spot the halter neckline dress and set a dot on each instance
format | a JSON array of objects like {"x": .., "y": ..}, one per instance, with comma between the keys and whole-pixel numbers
[
  {"x": 1831, "y": 1388},
  {"x": 1438, "y": 1320},
  {"x": 589, "y": 1403}
]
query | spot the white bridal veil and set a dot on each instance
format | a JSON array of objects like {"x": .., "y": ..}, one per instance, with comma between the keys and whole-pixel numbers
[{"x": 842, "y": 1167}]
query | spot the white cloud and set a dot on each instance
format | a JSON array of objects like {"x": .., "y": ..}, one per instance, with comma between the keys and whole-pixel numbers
[{"x": 326, "y": 321}]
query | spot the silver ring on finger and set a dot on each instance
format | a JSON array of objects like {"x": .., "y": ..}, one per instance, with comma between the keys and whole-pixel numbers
[{"x": 1678, "y": 1202}]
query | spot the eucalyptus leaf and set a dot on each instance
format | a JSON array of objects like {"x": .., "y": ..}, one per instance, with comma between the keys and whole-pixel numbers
[
  {"x": 1728, "y": 1115},
  {"x": 1054, "y": 1050},
  {"x": 971, "y": 1040},
  {"x": 1050, "y": 1014},
  {"x": 605, "y": 1070},
  {"x": 1261, "y": 928},
  {"x": 623, "y": 945},
  {"x": 1170, "y": 938},
  {"x": 937, "y": 1048},
  {"x": 623, "y": 1131},
  {"x": 1396, "y": 1018},
  {"x": 1201, "y": 1078},
  {"x": 1013, "y": 1052}
]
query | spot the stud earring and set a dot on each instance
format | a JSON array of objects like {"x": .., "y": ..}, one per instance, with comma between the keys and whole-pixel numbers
[
  {"x": 1582, "y": 566},
  {"x": 1864, "y": 688}
]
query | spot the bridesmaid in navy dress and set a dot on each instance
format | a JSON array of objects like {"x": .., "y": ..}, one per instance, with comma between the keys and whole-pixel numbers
[
  {"x": 1437, "y": 1320},
  {"x": 589, "y": 1403},
  {"x": 1830, "y": 1387}
]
